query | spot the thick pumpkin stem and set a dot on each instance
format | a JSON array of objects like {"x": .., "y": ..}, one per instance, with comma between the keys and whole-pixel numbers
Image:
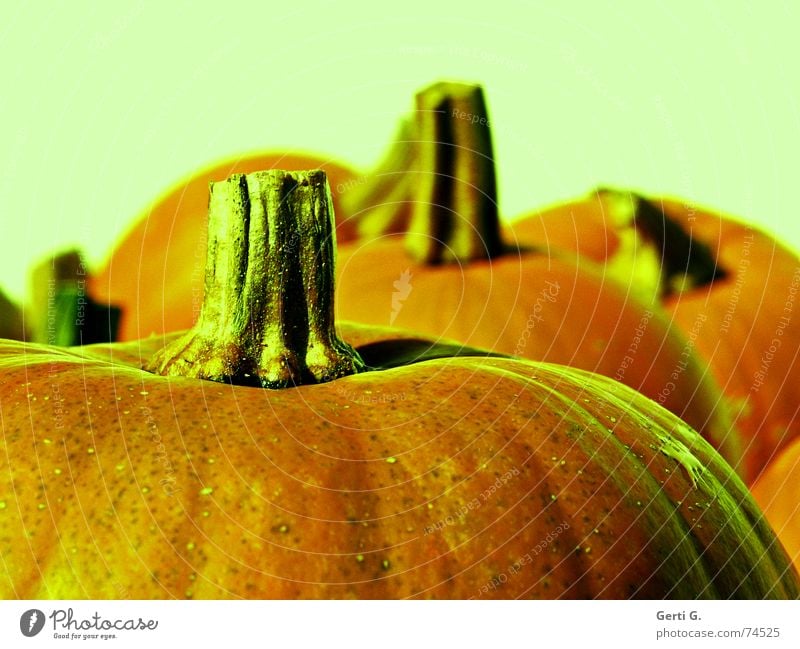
[
  {"x": 267, "y": 314},
  {"x": 438, "y": 182}
]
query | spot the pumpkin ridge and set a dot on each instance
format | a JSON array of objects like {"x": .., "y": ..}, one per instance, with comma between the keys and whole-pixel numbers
[
  {"x": 690, "y": 534},
  {"x": 625, "y": 492},
  {"x": 723, "y": 495},
  {"x": 698, "y": 570}
]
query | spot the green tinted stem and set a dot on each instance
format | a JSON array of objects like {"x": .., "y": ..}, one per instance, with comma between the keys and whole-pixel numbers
[
  {"x": 437, "y": 184},
  {"x": 267, "y": 314},
  {"x": 454, "y": 212}
]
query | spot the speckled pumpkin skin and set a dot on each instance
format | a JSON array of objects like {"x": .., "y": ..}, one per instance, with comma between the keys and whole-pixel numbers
[
  {"x": 543, "y": 308},
  {"x": 117, "y": 483},
  {"x": 164, "y": 254},
  {"x": 737, "y": 318}
]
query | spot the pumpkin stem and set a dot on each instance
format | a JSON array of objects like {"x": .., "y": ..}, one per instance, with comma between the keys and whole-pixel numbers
[
  {"x": 267, "y": 314},
  {"x": 684, "y": 262},
  {"x": 438, "y": 181},
  {"x": 60, "y": 311}
]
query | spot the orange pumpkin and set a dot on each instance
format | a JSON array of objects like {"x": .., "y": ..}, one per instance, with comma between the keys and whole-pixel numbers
[
  {"x": 777, "y": 492},
  {"x": 450, "y": 274},
  {"x": 155, "y": 273},
  {"x": 729, "y": 287},
  {"x": 368, "y": 474}
]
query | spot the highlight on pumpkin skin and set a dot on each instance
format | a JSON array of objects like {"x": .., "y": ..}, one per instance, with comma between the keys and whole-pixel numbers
[{"x": 267, "y": 313}]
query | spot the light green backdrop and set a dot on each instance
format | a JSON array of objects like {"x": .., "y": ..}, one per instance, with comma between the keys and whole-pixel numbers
[{"x": 104, "y": 105}]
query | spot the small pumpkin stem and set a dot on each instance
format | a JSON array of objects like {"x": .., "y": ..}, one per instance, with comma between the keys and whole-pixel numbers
[
  {"x": 267, "y": 314},
  {"x": 61, "y": 312},
  {"x": 438, "y": 182},
  {"x": 684, "y": 262}
]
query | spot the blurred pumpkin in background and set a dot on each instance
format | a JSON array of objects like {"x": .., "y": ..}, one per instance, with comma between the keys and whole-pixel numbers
[
  {"x": 777, "y": 492},
  {"x": 437, "y": 188},
  {"x": 729, "y": 287}
]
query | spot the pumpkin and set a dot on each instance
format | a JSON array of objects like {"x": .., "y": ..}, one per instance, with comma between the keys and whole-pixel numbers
[
  {"x": 450, "y": 274},
  {"x": 154, "y": 275},
  {"x": 264, "y": 453},
  {"x": 776, "y": 492},
  {"x": 732, "y": 288}
]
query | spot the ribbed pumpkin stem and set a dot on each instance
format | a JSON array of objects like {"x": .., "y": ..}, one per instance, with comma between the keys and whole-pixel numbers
[
  {"x": 267, "y": 314},
  {"x": 438, "y": 182}
]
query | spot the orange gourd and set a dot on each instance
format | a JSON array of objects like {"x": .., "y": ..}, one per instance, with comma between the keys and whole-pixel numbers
[
  {"x": 260, "y": 455},
  {"x": 730, "y": 287},
  {"x": 777, "y": 492}
]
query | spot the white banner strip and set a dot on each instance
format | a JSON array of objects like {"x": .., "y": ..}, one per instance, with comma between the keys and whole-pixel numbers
[{"x": 356, "y": 624}]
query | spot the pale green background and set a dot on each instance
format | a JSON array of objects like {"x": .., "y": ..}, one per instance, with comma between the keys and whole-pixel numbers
[{"x": 104, "y": 105}]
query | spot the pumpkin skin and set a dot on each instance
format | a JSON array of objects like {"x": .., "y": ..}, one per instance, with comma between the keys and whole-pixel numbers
[
  {"x": 155, "y": 273},
  {"x": 743, "y": 319},
  {"x": 126, "y": 484},
  {"x": 776, "y": 492},
  {"x": 541, "y": 308}
]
